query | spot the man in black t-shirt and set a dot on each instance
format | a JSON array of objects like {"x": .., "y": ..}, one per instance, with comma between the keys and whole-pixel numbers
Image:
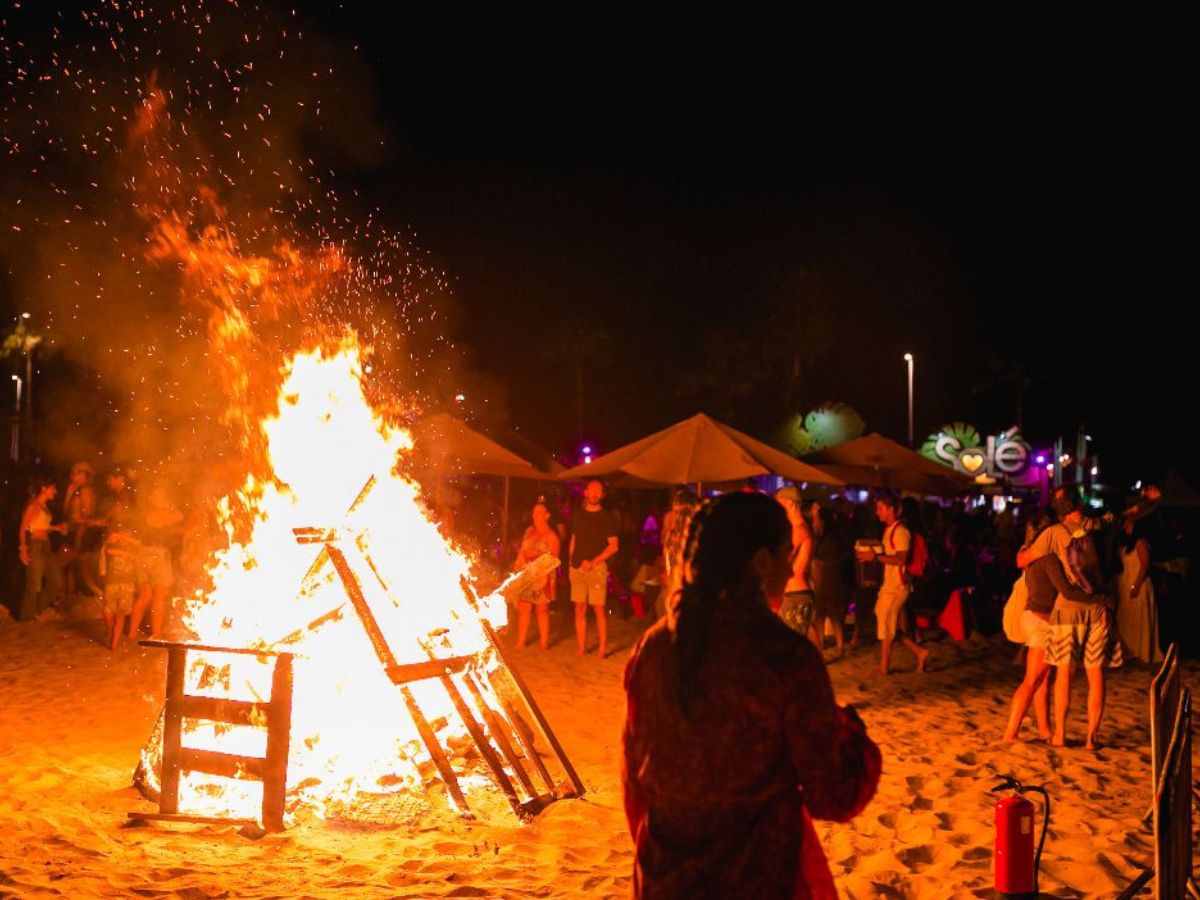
[{"x": 593, "y": 541}]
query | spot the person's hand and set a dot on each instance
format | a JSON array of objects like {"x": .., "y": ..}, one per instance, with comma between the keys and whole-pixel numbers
[
  {"x": 1137, "y": 590},
  {"x": 61, "y": 528},
  {"x": 24, "y": 556},
  {"x": 585, "y": 566}
]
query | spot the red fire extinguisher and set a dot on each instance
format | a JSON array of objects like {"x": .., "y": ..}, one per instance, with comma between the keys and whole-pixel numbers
[{"x": 1016, "y": 863}]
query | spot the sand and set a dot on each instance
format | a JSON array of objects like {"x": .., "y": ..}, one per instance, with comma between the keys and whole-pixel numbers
[{"x": 73, "y": 717}]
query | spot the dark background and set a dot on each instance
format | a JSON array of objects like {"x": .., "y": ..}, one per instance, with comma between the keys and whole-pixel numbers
[{"x": 1006, "y": 210}]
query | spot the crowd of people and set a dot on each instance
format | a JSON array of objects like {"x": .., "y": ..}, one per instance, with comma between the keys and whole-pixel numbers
[{"x": 111, "y": 545}]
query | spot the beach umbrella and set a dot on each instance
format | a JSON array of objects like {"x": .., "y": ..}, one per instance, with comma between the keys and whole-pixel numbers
[
  {"x": 444, "y": 445},
  {"x": 699, "y": 450},
  {"x": 877, "y": 462}
]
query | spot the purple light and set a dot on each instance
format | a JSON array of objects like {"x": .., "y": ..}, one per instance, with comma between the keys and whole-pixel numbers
[
  {"x": 586, "y": 449},
  {"x": 1041, "y": 459}
]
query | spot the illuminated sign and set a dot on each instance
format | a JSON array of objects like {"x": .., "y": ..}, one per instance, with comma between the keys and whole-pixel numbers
[{"x": 960, "y": 446}]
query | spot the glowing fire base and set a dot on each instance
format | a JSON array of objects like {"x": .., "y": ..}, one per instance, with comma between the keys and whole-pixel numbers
[{"x": 486, "y": 694}]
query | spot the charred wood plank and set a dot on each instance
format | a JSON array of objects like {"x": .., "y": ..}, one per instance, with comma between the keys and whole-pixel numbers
[
  {"x": 482, "y": 743},
  {"x": 534, "y": 710},
  {"x": 499, "y": 732},
  {"x": 279, "y": 741},
  {"x": 361, "y": 606},
  {"x": 183, "y": 817},
  {"x": 225, "y": 765},
  {"x": 530, "y": 751},
  {"x": 215, "y": 709},
  {"x": 425, "y": 730},
  {"x": 172, "y": 740},
  {"x": 403, "y": 673}
]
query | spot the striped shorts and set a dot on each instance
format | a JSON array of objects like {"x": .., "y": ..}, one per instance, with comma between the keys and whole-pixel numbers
[{"x": 1082, "y": 633}]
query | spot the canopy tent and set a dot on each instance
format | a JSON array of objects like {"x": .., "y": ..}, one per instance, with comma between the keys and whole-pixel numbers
[
  {"x": 444, "y": 445},
  {"x": 877, "y": 462},
  {"x": 699, "y": 450}
]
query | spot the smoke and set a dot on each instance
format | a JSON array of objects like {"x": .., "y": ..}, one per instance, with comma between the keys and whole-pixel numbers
[{"x": 176, "y": 232}]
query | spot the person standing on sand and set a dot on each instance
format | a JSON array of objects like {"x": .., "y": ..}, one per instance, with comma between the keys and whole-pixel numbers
[
  {"x": 733, "y": 740},
  {"x": 593, "y": 541},
  {"x": 798, "y": 607},
  {"x": 1080, "y": 631},
  {"x": 539, "y": 540},
  {"x": 893, "y": 593}
]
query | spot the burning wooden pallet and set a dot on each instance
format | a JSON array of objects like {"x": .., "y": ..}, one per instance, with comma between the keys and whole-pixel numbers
[{"x": 492, "y": 703}]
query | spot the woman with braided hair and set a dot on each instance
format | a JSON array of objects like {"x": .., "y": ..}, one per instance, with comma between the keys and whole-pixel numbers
[{"x": 733, "y": 739}]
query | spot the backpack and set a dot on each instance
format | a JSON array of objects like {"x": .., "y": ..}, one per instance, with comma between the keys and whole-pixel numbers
[{"x": 918, "y": 557}]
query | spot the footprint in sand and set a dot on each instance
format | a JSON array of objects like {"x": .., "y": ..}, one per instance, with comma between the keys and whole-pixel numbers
[
  {"x": 915, "y": 856},
  {"x": 974, "y": 854},
  {"x": 967, "y": 759},
  {"x": 923, "y": 804},
  {"x": 945, "y": 821},
  {"x": 914, "y": 782}
]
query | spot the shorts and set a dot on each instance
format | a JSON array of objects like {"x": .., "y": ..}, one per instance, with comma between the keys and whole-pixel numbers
[
  {"x": 118, "y": 599},
  {"x": 1082, "y": 633},
  {"x": 1036, "y": 630},
  {"x": 797, "y": 610},
  {"x": 887, "y": 611},
  {"x": 590, "y": 587},
  {"x": 154, "y": 567}
]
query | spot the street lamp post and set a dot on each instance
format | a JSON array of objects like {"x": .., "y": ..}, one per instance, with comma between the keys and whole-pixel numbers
[
  {"x": 908, "y": 358},
  {"x": 14, "y": 447}
]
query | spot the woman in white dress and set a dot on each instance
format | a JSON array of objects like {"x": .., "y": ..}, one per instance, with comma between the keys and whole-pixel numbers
[{"x": 1137, "y": 620}]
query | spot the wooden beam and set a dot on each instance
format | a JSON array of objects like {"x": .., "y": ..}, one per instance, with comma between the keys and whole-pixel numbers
[
  {"x": 534, "y": 710},
  {"x": 403, "y": 673},
  {"x": 279, "y": 742},
  {"x": 215, "y": 709},
  {"x": 481, "y": 741},
  {"x": 182, "y": 817},
  {"x": 361, "y": 606},
  {"x": 435, "y": 750},
  {"x": 226, "y": 765},
  {"x": 172, "y": 736},
  {"x": 499, "y": 732},
  {"x": 527, "y": 745}
]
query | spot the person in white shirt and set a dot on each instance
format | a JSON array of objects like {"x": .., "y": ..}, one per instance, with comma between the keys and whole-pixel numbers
[{"x": 894, "y": 591}]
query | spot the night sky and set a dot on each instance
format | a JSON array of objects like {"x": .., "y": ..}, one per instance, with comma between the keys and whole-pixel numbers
[{"x": 990, "y": 211}]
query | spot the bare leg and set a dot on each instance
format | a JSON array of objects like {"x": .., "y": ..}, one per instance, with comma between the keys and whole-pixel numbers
[
  {"x": 1041, "y": 707},
  {"x": 602, "y": 629},
  {"x": 839, "y": 636},
  {"x": 118, "y": 630},
  {"x": 1062, "y": 702},
  {"x": 885, "y": 656},
  {"x": 1095, "y": 707},
  {"x": 145, "y": 595},
  {"x": 523, "y": 611},
  {"x": 543, "y": 622},
  {"x": 581, "y": 627},
  {"x": 918, "y": 651},
  {"x": 1032, "y": 686},
  {"x": 817, "y": 637}
]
